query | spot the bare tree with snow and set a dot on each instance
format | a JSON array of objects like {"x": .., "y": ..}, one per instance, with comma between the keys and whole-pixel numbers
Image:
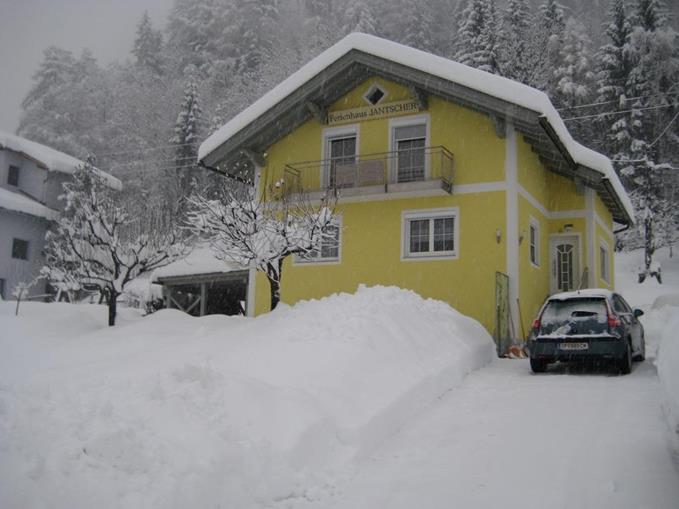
[
  {"x": 262, "y": 233},
  {"x": 98, "y": 244}
]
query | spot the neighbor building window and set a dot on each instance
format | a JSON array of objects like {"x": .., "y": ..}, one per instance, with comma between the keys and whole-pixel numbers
[
  {"x": 20, "y": 249},
  {"x": 329, "y": 249},
  {"x": 430, "y": 233},
  {"x": 604, "y": 266},
  {"x": 2, "y": 288},
  {"x": 534, "y": 241},
  {"x": 13, "y": 176}
]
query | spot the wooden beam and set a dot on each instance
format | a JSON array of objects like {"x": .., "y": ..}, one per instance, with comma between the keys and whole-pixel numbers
[
  {"x": 500, "y": 126},
  {"x": 319, "y": 112},
  {"x": 420, "y": 96},
  {"x": 255, "y": 158}
]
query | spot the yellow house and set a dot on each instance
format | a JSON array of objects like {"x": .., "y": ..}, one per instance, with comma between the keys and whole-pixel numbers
[{"x": 460, "y": 185}]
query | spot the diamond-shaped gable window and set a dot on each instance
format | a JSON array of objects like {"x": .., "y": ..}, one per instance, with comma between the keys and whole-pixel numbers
[{"x": 374, "y": 95}]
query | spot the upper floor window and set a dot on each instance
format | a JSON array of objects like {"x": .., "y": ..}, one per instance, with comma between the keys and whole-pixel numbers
[
  {"x": 430, "y": 233},
  {"x": 20, "y": 249},
  {"x": 329, "y": 249},
  {"x": 375, "y": 94},
  {"x": 409, "y": 141},
  {"x": 534, "y": 241},
  {"x": 13, "y": 176}
]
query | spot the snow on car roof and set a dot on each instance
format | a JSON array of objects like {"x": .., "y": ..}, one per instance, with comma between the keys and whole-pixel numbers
[
  {"x": 587, "y": 292},
  {"x": 16, "y": 202},
  {"x": 490, "y": 84},
  {"x": 50, "y": 158}
]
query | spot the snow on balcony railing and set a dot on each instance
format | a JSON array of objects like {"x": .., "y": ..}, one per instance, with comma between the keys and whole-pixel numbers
[{"x": 374, "y": 173}]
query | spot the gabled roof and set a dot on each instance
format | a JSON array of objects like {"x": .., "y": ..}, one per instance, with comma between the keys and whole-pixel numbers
[
  {"x": 48, "y": 158},
  {"x": 16, "y": 202},
  {"x": 335, "y": 71}
]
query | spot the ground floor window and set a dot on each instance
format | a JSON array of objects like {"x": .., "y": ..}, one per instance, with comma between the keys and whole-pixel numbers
[
  {"x": 534, "y": 241},
  {"x": 329, "y": 250},
  {"x": 604, "y": 264},
  {"x": 20, "y": 249},
  {"x": 430, "y": 233}
]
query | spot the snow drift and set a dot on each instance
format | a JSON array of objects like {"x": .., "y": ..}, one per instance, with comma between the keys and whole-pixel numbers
[{"x": 175, "y": 411}]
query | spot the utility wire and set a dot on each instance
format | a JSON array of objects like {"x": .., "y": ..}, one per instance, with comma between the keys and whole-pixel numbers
[
  {"x": 620, "y": 112},
  {"x": 665, "y": 130},
  {"x": 589, "y": 105},
  {"x": 157, "y": 147}
]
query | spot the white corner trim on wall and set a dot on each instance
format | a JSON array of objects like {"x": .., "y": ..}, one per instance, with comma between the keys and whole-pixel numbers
[{"x": 512, "y": 226}]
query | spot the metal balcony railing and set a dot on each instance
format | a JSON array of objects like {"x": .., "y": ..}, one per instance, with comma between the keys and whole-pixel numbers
[{"x": 400, "y": 170}]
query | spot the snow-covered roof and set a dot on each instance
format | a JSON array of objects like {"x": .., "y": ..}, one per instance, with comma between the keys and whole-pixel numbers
[
  {"x": 496, "y": 86},
  {"x": 16, "y": 202},
  {"x": 200, "y": 261},
  {"x": 49, "y": 158},
  {"x": 586, "y": 292}
]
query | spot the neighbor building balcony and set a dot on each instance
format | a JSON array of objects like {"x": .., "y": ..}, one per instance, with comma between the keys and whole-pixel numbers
[{"x": 413, "y": 170}]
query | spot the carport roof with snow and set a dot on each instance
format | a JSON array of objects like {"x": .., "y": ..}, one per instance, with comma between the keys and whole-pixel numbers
[{"x": 308, "y": 92}]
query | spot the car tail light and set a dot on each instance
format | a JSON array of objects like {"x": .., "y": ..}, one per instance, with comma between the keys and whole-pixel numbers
[
  {"x": 536, "y": 324},
  {"x": 613, "y": 321}
]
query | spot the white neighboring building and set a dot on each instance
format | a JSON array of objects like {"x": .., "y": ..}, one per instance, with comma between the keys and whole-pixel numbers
[{"x": 31, "y": 178}]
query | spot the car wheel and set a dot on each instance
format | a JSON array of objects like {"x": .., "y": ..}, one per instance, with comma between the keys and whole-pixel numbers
[
  {"x": 625, "y": 363},
  {"x": 538, "y": 365}
]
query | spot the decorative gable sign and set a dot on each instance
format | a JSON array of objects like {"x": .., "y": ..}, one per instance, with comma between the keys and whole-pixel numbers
[{"x": 373, "y": 112}]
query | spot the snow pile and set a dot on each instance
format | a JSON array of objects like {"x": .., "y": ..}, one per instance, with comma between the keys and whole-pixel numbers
[
  {"x": 668, "y": 363},
  {"x": 19, "y": 203},
  {"x": 200, "y": 260},
  {"x": 176, "y": 411}
]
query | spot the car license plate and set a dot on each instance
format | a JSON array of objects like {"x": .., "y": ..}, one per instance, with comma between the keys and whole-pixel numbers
[{"x": 573, "y": 346}]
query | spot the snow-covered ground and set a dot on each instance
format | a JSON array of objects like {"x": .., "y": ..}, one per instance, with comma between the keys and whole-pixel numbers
[
  {"x": 348, "y": 402},
  {"x": 175, "y": 411}
]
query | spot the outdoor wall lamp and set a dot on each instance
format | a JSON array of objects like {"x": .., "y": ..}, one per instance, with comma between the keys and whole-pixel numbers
[
  {"x": 498, "y": 235},
  {"x": 567, "y": 227}
]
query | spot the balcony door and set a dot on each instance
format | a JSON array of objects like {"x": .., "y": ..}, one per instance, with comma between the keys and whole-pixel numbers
[
  {"x": 408, "y": 144},
  {"x": 342, "y": 161}
]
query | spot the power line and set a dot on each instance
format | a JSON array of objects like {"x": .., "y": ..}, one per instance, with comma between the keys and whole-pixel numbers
[
  {"x": 665, "y": 130},
  {"x": 620, "y": 112},
  {"x": 157, "y": 147},
  {"x": 615, "y": 101}
]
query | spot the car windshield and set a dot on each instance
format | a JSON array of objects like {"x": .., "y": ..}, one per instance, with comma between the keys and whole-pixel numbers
[{"x": 563, "y": 310}]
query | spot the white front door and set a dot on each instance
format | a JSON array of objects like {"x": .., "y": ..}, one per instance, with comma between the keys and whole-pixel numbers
[{"x": 565, "y": 263}]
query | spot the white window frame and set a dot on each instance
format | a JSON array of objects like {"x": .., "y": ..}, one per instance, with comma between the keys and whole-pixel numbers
[
  {"x": 409, "y": 215},
  {"x": 318, "y": 260},
  {"x": 533, "y": 223},
  {"x": 605, "y": 275},
  {"x": 410, "y": 120},
  {"x": 333, "y": 133}
]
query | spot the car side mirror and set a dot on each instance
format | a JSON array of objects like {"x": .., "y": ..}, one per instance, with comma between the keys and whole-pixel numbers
[{"x": 638, "y": 312}]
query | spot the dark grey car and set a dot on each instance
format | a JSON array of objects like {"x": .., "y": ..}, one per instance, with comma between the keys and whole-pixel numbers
[{"x": 587, "y": 324}]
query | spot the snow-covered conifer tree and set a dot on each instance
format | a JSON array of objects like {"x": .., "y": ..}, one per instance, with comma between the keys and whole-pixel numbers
[
  {"x": 148, "y": 46},
  {"x": 99, "y": 245},
  {"x": 187, "y": 134},
  {"x": 478, "y": 37},
  {"x": 359, "y": 17},
  {"x": 575, "y": 73},
  {"x": 261, "y": 233}
]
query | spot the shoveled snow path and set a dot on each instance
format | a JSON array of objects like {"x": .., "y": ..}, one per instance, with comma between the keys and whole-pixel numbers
[{"x": 508, "y": 438}]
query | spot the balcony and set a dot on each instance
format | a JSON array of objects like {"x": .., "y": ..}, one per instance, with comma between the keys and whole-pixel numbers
[{"x": 426, "y": 170}]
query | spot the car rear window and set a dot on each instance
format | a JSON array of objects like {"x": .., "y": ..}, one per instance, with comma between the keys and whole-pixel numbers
[{"x": 559, "y": 311}]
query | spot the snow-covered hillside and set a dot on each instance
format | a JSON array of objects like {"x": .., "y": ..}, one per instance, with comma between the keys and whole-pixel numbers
[{"x": 175, "y": 411}]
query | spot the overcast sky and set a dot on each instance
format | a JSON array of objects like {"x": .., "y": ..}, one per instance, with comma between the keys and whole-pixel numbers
[{"x": 29, "y": 26}]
